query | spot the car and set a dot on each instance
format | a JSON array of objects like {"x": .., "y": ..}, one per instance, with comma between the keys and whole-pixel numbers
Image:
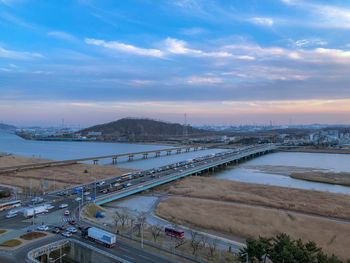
[
  {"x": 78, "y": 199},
  {"x": 71, "y": 229},
  {"x": 66, "y": 234},
  {"x": 61, "y": 206},
  {"x": 49, "y": 206},
  {"x": 37, "y": 200},
  {"x": 72, "y": 222},
  {"x": 103, "y": 191},
  {"x": 66, "y": 213},
  {"x": 42, "y": 228},
  {"x": 11, "y": 215},
  {"x": 56, "y": 230},
  {"x": 100, "y": 183},
  {"x": 86, "y": 193},
  {"x": 88, "y": 198}
]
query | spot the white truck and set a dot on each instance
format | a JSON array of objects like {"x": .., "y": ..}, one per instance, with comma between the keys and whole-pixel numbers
[
  {"x": 31, "y": 211},
  {"x": 106, "y": 238}
]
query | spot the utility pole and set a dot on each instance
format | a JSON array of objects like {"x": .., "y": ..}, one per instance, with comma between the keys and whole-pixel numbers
[
  {"x": 95, "y": 192},
  {"x": 141, "y": 235}
]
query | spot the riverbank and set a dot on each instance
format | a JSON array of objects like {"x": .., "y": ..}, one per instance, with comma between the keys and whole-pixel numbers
[
  {"x": 298, "y": 200},
  {"x": 247, "y": 210},
  {"x": 53, "y": 178},
  {"x": 315, "y": 150},
  {"x": 305, "y": 173},
  {"x": 324, "y": 177},
  {"x": 237, "y": 220}
]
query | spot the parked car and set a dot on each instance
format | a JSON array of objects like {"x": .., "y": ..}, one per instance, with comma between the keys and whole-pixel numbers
[
  {"x": 66, "y": 234},
  {"x": 78, "y": 199},
  {"x": 72, "y": 222},
  {"x": 56, "y": 230},
  {"x": 88, "y": 198},
  {"x": 42, "y": 228},
  {"x": 71, "y": 229},
  {"x": 11, "y": 215},
  {"x": 61, "y": 206}
]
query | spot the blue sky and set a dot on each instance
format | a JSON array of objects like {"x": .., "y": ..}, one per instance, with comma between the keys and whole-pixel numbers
[{"x": 229, "y": 62}]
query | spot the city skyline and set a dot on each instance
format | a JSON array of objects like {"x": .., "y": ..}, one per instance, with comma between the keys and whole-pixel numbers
[{"x": 220, "y": 62}]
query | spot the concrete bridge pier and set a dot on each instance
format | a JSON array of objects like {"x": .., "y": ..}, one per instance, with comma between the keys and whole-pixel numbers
[
  {"x": 145, "y": 156},
  {"x": 95, "y": 161},
  {"x": 114, "y": 160},
  {"x": 178, "y": 151},
  {"x": 188, "y": 149},
  {"x": 168, "y": 152},
  {"x": 157, "y": 154},
  {"x": 131, "y": 157}
]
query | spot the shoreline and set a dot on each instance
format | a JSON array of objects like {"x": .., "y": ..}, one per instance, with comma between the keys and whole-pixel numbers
[{"x": 315, "y": 150}]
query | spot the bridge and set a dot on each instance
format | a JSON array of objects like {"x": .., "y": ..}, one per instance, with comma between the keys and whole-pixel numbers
[
  {"x": 196, "y": 168},
  {"x": 113, "y": 157}
]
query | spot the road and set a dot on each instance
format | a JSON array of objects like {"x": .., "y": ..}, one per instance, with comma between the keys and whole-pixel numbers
[{"x": 114, "y": 186}]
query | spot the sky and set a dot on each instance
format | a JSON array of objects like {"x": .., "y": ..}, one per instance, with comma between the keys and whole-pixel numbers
[{"x": 225, "y": 62}]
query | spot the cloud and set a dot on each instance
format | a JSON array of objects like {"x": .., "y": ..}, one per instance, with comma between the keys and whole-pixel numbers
[
  {"x": 301, "y": 43},
  {"x": 193, "y": 31},
  {"x": 61, "y": 35},
  {"x": 203, "y": 80},
  {"x": 262, "y": 21},
  {"x": 11, "y": 54},
  {"x": 179, "y": 47},
  {"x": 316, "y": 55},
  {"x": 326, "y": 16},
  {"x": 125, "y": 48}
]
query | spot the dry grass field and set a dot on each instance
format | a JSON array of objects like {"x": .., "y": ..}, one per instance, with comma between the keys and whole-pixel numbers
[
  {"x": 324, "y": 177},
  {"x": 320, "y": 203},
  {"x": 58, "y": 177},
  {"x": 245, "y": 221}
]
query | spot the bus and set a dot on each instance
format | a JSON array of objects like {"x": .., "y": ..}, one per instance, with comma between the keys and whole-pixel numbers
[
  {"x": 174, "y": 233},
  {"x": 9, "y": 205}
]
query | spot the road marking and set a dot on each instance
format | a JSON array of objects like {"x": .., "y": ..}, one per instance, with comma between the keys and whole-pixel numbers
[{"x": 130, "y": 258}]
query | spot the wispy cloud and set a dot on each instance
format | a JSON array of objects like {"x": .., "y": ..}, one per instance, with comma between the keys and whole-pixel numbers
[
  {"x": 203, "y": 80},
  {"x": 125, "y": 48},
  {"x": 262, "y": 21},
  {"x": 316, "y": 55},
  {"x": 180, "y": 47},
  {"x": 309, "y": 42},
  {"x": 62, "y": 35},
  {"x": 11, "y": 54},
  {"x": 325, "y": 15}
]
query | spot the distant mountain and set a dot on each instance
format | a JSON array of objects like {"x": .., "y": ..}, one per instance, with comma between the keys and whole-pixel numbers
[
  {"x": 130, "y": 129},
  {"x": 6, "y": 127}
]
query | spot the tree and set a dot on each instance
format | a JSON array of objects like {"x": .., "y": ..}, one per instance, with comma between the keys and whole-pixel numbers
[
  {"x": 156, "y": 230},
  {"x": 195, "y": 242},
  {"x": 283, "y": 248},
  {"x": 212, "y": 245},
  {"x": 123, "y": 217},
  {"x": 256, "y": 250}
]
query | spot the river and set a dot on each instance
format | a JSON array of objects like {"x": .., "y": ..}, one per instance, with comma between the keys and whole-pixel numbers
[
  {"x": 55, "y": 150},
  {"x": 331, "y": 162}
]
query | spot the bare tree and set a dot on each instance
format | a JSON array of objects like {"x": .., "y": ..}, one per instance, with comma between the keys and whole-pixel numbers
[
  {"x": 212, "y": 247},
  {"x": 195, "y": 242},
  {"x": 141, "y": 221},
  {"x": 156, "y": 230},
  {"x": 123, "y": 217}
]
